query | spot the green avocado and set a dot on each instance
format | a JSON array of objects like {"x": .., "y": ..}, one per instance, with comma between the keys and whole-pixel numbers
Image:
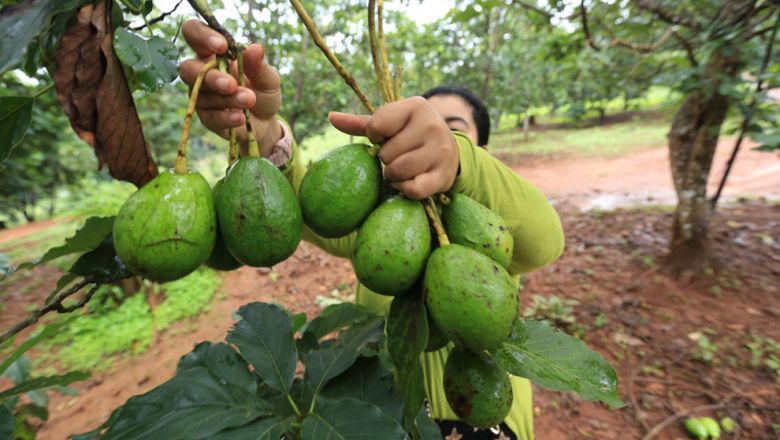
[
  {"x": 166, "y": 229},
  {"x": 340, "y": 190},
  {"x": 220, "y": 258},
  {"x": 258, "y": 213},
  {"x": 470, "y": 297},
  {"x": 473, "y": 225},
  {"x": 392, "y": 246},
  {"x": 478, "y": 391}
]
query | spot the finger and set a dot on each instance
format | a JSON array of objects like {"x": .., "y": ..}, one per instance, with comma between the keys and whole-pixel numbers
[
  {"x": 243, "y": 98},
  {"x": 349, "y": 123},
  {"x": 407, "y": 166},
  {"x": 260, "y": 74},
  {"x": 400, "y": 143},
  {"x": 218, "y": 120},
  {"x": 215, "y": 81},
  {"x": 421, "y": 187},
  {"x": 202, "y": 39},
  {"x": 390, "y": 119}
]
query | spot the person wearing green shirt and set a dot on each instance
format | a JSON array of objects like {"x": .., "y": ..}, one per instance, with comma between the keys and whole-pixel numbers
[{"x": 430, "y": 145}]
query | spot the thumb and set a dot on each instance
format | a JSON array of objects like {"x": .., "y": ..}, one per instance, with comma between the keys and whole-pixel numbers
[
  {"x": 349, "y": 123},
  {"x": 261, "y": 76}
]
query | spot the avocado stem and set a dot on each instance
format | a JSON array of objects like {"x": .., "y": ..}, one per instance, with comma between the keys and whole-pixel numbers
[
  {"x": 444, "y": 200},
  {"x": 430, "y": 209},
  {"x": 224, "y": 65},
  {"x": 254, "y": 149},
  {"x": 388, "y": 81},
  {"x": 315, "y": 35},
  {"x": 181, "y": 155}
]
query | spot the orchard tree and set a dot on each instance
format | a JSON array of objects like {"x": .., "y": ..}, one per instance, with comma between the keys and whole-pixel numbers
[{"x": 722, "y": 48}]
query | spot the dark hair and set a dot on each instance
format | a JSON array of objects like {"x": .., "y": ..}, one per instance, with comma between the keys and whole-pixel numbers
[{"x": 479, "y": 111}]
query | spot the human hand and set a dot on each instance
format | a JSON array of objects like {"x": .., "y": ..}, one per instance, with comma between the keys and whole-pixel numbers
[
  {"x": 221, "y": 101},
  {"x": 419, "y": 152}
]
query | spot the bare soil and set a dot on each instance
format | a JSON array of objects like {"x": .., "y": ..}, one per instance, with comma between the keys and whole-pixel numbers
[{"x": 631, "y": 310}]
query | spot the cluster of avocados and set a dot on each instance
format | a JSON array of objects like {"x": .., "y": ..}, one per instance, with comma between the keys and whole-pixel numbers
[
  {"x": 470, "y": 297},
  {"x": 175, "y": 223}
]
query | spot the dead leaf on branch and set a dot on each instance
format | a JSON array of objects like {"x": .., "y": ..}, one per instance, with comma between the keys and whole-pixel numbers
[{"x": 93, "y": 91}]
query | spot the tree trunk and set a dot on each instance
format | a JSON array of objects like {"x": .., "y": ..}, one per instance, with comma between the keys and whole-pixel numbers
[
  {"x": 693, "y": 139},
  {"x": 526, "y": 124}
]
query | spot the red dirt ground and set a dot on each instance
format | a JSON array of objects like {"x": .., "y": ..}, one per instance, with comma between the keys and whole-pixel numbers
[{"x": 612, "y": 265}]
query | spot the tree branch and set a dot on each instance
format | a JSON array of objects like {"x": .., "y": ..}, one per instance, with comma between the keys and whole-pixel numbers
[
  {"x": 157, "y": 19},
  {"x": 641, "y": 48},
  {"x": 203, "y": 9},
  {"x": 55, "y": 305},
  {"x": 688, "y": 48},
  {"x": 668, "y": 16},
  {"x": 533, "y": 8}
]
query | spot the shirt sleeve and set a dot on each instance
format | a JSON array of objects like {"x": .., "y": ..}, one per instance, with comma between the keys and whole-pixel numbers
[{"x": 535, "y": 226}]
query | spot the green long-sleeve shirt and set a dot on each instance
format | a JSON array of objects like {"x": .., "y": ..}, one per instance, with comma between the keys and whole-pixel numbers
[{"x": 538, "y": 240}]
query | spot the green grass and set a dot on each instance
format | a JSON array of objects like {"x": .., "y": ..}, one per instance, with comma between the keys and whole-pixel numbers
[
  {"x": 610, "y": 140},
  {"x": 33, "y": 246},
  {"x": 93, "y": 340}
]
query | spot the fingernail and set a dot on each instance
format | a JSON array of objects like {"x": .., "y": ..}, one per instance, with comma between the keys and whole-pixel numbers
[
  {"x": 236, "y": 117},
  {"x": 215, "y": 43},
  {"x": 244, "y": 97},
  {"x": 223, "y": 84}
]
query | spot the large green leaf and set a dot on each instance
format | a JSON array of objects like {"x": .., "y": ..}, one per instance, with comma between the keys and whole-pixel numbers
[
  {"x": 265, "y": 429},
  {"x": 33, "y": 340},
  {"x": 555, "y": 360},
  {"x": 7, "y": 421},
  {"x": 21, "y": 23},
  {"x": 350, "y": 419},
  {"x": 264, "y": 337},
  {"x": 15, "y": 117},
  {"x": 367, "y": 380},
  {"x": 334, "y": 317},
  {"x": 94, "y": 231},
  {"x": 213, "y": 390},
  {"x": 327, "y": 363},
  {"x": 44, "y": 382},
  {"x": 407, "y": 337},
  {"x": 152, "y": 62}
]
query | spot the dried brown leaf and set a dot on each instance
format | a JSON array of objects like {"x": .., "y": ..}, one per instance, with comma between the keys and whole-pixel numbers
[{"x": 93, "y": 91}]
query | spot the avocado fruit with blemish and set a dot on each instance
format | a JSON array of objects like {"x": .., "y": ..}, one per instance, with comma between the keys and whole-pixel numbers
[
  {"x": 220, "y": 258},
  {"x": 473, "y": 225},
  {"x": 340, "y": 190},
  {"x": 258, "y": 212},
  {"x": 166, "y": 229},
  {"x": 392, "y": 246},
  {"x": 477, "y": 390},
  {"x": 471, "y": 298}
]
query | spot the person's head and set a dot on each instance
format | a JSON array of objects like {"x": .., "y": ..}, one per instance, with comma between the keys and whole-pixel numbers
[{"x": 462, "y": 111}]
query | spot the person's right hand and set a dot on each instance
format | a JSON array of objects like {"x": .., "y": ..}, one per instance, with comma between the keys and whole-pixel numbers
[{"x": 221, "y": 101}]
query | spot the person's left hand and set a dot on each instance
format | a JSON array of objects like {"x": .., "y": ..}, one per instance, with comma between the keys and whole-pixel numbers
[{"x": 419, "y": 151}]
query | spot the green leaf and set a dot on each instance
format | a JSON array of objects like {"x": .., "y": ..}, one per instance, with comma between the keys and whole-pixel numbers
[
  {"x": 211, "y": 391},
  {"x": 334, "y": 317},
  {"x": 21, "y": 23},
  {"x": 429, "y": 430},
  {"x": 327, "y": 363},
  {"x": 264, "y": 337},
  {"x": 20, "y": 370},
  {"x": 31, "y": 410},
  {"x": 266, "y": 429},
  {"x": 152, "y": 62},
  {"x": 298, "y": 320},
  {"x": 350, "y": 419},
  {"x": 368, "y": 381},
  {"x": 555, "y": 360},
  {"x": 15, "y": 117},
  {"x": 94, "y": 231},
  {"x": 101, "y": 265},
  {"x": 31, "y": 341},
  {"x": 44, "y": 382},
  {"x": 769, "y": 141},
  {"x": 7, "y": 422},
  {"x": 407, "y": 337}
]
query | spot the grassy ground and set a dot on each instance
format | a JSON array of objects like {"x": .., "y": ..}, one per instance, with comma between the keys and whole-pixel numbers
[{"x": 609, "y": 140}]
